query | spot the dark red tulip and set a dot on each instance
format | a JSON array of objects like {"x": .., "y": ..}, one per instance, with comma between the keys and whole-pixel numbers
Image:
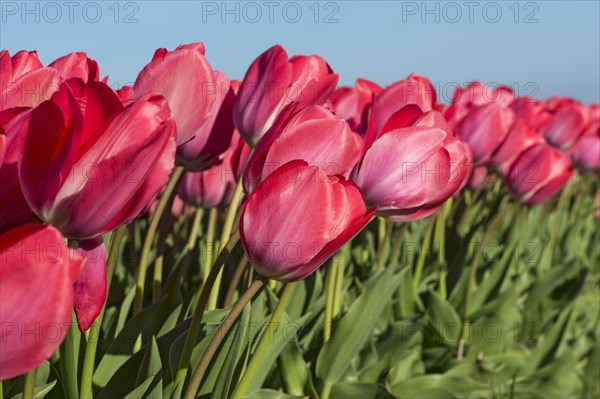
[
  {"x": 298, "y": 218},
  {"x": 184, "y": 77},
  {"x": 413, "y": 165},
  {"x": 538, "y": 173},
  {"x": 352, "y": 103},
  {"x": 272, "y": 83},
  {"x": 24, "y": 82},
  {"x": 37, "y": 275},
  {"x": 77, "y": 65},
  {"x": 314, "y": 135},
  {"x": 100, "y": 164},
  {"x": 90, "y": 287}
]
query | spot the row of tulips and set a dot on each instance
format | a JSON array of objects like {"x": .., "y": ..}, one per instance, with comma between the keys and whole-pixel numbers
[{"x": 283, "y": 161}]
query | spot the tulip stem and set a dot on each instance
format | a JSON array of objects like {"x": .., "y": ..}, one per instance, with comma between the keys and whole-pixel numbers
[
  {"x": 235, "y": 281},
  {"x": 29, "y": 384},
  {"x": 193, "y": 238},
  {"x": 548, "y": 254},
  {"x": 423, "y": 254},
  {"x": 385, "y": 230},
  {"x": 94, "y": 333},
  {"x": 238, "y": 195},
  {"x": 215, "y": 342},
  {"x": 335, "y": 277},
  {"x": 489, "y": 233},
  {"x": 242, "y": 389},
  {"x": 170, "y": 190},
  {"x": 68, "y": 362},
  {"x": 192, "y": 334}
]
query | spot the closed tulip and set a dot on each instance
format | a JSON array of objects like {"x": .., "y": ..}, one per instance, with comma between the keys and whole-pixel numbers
[
  {"x": 298, "y": 218},
  {"x": 24, "y": 82},
  {"x": 538, "y": 173},
  {"x": 100, "y": 163},
  {"x": 314, "y": 135},
  {"x": 184, "y": 77},
  {"x": 520, "y": 137},
  {"x": 586, "y": 151},
  {"x": 566, "y": 124},
  {"x": 77, "y": 65},
  {"x": 412, "y": 165},
  {"x": 90, "y": 287},
  {"x": 272, "y": 83},
  {"x": 352, "y": 103},
  {"x": 37, "y": 276}
]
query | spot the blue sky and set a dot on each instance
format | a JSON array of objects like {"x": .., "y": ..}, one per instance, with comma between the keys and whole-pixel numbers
[{"x": 539, "y": 48}]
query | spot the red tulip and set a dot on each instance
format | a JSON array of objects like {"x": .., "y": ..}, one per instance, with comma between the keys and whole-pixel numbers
[
  {"x": 213, "y": 137},
  {"x": 37, "y": 275},
  {"x": 298, "y": 218},
  {"x": 532, "y": 111},
  {"x": 77, "y": 65},
  {"x": 413, "y": 165},
  {"x": 100, "y": 164},
  {"x": 416, "y": 90},
  {"x": 586, "y": 151},
  {"x": 184, "y": 77},
  {"x": 520, "y": 137},
  {"x": 566, "y": 124},
  {"x": 24, "y": 82},
  {"x": 352, "y": 103},
  {"x": 314, "y": 135},
  {"x": 274, "y": 83},
  {"x": 90, "y": 287},
  {"x": 538, "y": 173},
  {"x": 484, "y": 128}
]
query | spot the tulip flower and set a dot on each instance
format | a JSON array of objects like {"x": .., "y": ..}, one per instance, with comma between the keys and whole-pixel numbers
[
  {"x": 412, "y": 165},
  {"x": 566, "y": 124},
  {"x": 352, "y": 103},
  {"x": 298, "y": 218},
  {"x": 538, "y": 173},
  {"x": 416, "y": 90},
  {"x": 586, "y": 151},
  {"x": 214, "y": 136},
  {"x": 37, "y": 276},
  {"x": 534, "y": 112},
  {"x": 184, "y": 77},
  {"x": 273, "y": 83},
  {"x": 314, "y": 135},
  {"x": 520, "y": 137},
  {"x": 100, "y": 164},
  {"x": 77, "y": 65},
  {"x": 24, "y": 82},
  {"x": 90, "y": 287}
]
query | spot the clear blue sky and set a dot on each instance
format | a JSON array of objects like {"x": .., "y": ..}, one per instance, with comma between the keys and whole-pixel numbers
[{"x": 538, "y": 47}]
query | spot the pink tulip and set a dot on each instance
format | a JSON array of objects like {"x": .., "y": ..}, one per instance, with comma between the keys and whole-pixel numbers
[
  {"x": 314, "y": 135},
  {"x": 37, "y": 275},
  {"x": 184, "y": 77},
  {"x": 416, "y": 90},
  {"x": 100, "y": 164},
  {"x": 272, "y": 83},
  {"x": 412, "y": 165},
  {"x": 520, "y": 137},
  {"x": 90, "y": 287},
  {"x": 538, "y": 173},
  {"x": 586, "y": 151},
  {"x": 352, "y": 103},
  {"x": 484, "y": 128},
  {"x": 24, "y": 82},
  {"x": 213, "y": 137},
  {"x": 77, "y": 65},
  {"x": 298, "y": 218},
  {"x": 532, "y": 111},
  {"x": 566, "y": 124}
]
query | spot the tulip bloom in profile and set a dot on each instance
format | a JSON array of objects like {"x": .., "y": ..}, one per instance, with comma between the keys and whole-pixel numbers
[
  {"x": 24, "y": 82},
  {"x": 272, "y": 83},
  {"x": 314, "y": 135},
  {"x": 566, "y": 124},
  {"x": 538, "y": 173},
  {"x": 100, "y": 164},
  {"x": 298, "y": 218},
  {"x": 184, "y": 77},
  {"x": 352, "y": 103},
  {"x": 37, "y": 275},
  {"x": 412, "y": 166},
  {"x": 520, "y": 137},
  {"x": 90, "y": 288},
  {"x": 586, "y": 151},
  {"x": 77, "y": 65}
]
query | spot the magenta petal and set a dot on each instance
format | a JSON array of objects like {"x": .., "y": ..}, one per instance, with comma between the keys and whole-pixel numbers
[{"x": 90, "y": 288}]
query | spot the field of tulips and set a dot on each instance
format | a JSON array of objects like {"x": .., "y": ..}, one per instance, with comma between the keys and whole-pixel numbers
[{"x": 282, "y": 237}]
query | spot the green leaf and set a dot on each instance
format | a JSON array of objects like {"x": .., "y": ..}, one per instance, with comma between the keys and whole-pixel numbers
[
  {"x": 270, "y": 394},
  {"x": 444, "y": 319},
  {"x": 39, "y": 391}
]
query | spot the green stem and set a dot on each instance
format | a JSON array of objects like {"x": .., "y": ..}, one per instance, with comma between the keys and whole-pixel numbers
[
  {"x": 238, "y": 195},
  {"x": 163, "y": 231},
  {"x": 326, "y": 392},
  {"x": 235, "y": 281},
  {"x": 193, "y": 238},
  {"x": 68, "y": 361},
  {"x": 213, "y": 215},
  {"x": 546, "y": 262},
  {"x": 440, "y": 239},
  {"x": 192, "y": 334},
  {"x": 170, "y": 190},
  {"x": 332, "y": 274},
  {"x": 423, "y": 254},
  {"x": 220, "y": 334},
  {"x": 94, "y": 333},
  {"x": 29, "y": 384},
  {"x": 265, "y": 339},
  {"x": 385, "y": 230}
]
